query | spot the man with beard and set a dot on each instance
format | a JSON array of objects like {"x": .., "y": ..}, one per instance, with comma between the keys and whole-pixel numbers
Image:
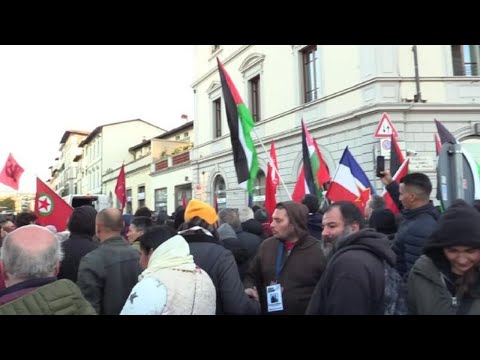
[
  {"x": 353, "y": 282},
  {"x": 287, "y": 266}
]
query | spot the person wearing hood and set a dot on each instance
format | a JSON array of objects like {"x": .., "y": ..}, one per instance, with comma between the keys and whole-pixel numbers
[
  {"x": 445, "y": 280},
  {"x": 314, "y": 222},
  {"x": 287, "y": 266},
  {"x": 353, "y": 282},
  {"x": 171, "y": 283},
  {"x": 81, "y": 226}
]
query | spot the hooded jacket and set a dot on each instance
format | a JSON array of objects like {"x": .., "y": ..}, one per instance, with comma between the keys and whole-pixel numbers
[
  {"x": 427, "y": 283},
  {"x": 354, "y": 282},
  {"x": 300, "y": 272}
]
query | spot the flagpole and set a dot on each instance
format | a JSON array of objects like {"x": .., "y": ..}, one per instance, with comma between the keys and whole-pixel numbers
[{"x": 270, "y": 160}]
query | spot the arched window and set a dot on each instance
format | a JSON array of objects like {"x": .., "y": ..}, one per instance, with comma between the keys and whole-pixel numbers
[
  {"x": 259, "y": 189},
  {"x": 219, "y": 192}
]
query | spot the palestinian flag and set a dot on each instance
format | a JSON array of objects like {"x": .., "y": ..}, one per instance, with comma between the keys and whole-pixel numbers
[
  {"x": 314, "y": 173},
  {"x": 240, "y": 123}
]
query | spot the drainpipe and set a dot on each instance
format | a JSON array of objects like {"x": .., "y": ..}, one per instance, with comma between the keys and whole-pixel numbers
[{"x": 418, "y": 96}]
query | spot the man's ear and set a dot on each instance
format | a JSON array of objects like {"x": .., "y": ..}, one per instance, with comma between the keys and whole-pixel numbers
[{"x": 355, "y": 226}]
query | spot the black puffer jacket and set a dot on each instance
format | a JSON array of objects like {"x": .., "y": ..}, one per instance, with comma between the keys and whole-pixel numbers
[{"x": 220, "y": 265}]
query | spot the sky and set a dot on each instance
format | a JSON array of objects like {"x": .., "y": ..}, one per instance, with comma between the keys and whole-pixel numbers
[{"x": 46, "y": 90}]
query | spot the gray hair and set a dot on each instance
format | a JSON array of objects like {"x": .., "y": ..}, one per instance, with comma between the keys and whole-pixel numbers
[
  {"x": 230, "y": 216},
  {"x": 245, "y": 213},
  {"x": 23, "y": 264}
]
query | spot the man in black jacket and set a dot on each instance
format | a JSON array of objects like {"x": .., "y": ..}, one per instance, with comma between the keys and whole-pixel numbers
[
  {"x": 107, "y": 274},
  {"x": 353, "y": 282},
  {"x": 420, "y": 217}
]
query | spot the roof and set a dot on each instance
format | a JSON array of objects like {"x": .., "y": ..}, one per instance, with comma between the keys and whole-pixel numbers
[
  {"x": 67, "y": 133},
  {"x": 99, "y": 128},
  {"x": 164, "y": 135}
]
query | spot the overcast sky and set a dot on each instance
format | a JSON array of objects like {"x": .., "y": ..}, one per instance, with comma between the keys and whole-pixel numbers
[{"x": 46, "y": 90}]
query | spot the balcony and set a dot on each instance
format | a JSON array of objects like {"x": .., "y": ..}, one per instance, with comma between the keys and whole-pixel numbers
[{"x": 172, "y": 161}]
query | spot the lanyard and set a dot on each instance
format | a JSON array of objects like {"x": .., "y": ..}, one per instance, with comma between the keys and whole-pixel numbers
[{"x": 279, "y": 259}]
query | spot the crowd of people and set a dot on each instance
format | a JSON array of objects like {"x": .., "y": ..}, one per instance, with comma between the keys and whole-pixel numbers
[{"x": 333, "y": 260}]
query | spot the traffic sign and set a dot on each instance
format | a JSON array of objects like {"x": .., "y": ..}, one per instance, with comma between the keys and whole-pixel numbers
[{"x": 385, "y": 128}]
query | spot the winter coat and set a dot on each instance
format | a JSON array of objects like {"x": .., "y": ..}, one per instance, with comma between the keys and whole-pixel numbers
[
  {"x": 353, "y": 282},
  {"x": 75, "y": 248},
  {"x": 107, "y": 275},
  {"x": 44, "y": 297}
]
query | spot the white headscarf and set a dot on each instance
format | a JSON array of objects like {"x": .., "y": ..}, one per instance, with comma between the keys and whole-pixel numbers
[{"x": 173, "y": 253}]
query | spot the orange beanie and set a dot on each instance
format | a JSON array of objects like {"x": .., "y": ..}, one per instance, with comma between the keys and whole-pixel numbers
[{"x": 202, "y": 210}]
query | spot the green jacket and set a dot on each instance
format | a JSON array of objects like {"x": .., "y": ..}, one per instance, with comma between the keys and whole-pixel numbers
[
  {"x": 61, "y": 297},
  {"x": 428, "y": 294}
]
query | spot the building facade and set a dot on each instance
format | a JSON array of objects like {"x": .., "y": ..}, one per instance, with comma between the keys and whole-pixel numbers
[
  {"x": 106, "y": 148},
  {"x": 157, "y": 172},
  {"x": 341, "y": 93}
]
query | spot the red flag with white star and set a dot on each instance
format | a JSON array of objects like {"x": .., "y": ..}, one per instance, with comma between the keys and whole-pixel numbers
[
  {"x": 11, "y": 173},
  {"x": 50, "y": 208}
]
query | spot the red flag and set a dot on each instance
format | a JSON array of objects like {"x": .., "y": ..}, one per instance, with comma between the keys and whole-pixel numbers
[
  {"x": 215, "y": 203},
  {"x": 11, "y": 173},
  {"x": 50, "y": 208},
  {"x": 399, "y": 175},
  {"x": 299, "y": 191},
  {"x": 438, "y": 144},
  {"x": 184, "y": 201},
  {"x": 273, "y": 178},
  {"x": 120, "y": 189}
]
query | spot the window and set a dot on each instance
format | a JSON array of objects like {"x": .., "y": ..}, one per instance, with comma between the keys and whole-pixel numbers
[
  {"x": 254, "y": 85},
  {"x": 219, "y": 193},
  {"x": 129, "y": 201},
  {"x": 311, "y": 73},
  {"x": 217, "y": 117},
  {"x": 259, "y": 190},
  {"x": 160, "y": 200},
  {"x": 185, "y": 134},
  {"x": 177, "y": 137},
  {"x": 141, "y": 196},
  {"x": 465, "y": 59},
  {"x": 183, "y": 192}
]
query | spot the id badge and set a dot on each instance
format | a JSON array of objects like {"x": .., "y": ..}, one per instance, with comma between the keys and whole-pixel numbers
[{"x": 274, "y": 298}]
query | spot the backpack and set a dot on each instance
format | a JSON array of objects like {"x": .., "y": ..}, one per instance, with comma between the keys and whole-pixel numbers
[{"x": 395, "y": 292}]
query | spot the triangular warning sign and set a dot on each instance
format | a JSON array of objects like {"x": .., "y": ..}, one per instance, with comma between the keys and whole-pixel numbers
[{"x": 385, "y": 128}]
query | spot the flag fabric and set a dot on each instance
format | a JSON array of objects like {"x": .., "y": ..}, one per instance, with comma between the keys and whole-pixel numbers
[
  {"x": 184, "y": 201},
  {"x": 350, "y": 183},
  {"x": 438, "y": 144},
  {"x": 50, "y": 208},
  {"x": 396, "y": 156},
  {"x": 397, "y": 160},
  {"x": 398, "y": 176},
  {"x": 271, "y": 183},
  {"x": 11, "y": 173},
  {"x": 215, "y": 203},
  {"x": 445, "y": 135},
  {"x": 240, "y": 123},
  {"x": 301, "y": 187},
  {"x": 314, "y": 172},
  {"x": 120, "y": 187}
]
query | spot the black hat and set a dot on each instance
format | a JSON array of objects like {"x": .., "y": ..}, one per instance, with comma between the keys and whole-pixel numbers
[
  {"x": 383, "y": 220},
  {"x": 261, "y": 215},
  {"x": 459, "y": 226},
  {"x": 311, "y": 201}
]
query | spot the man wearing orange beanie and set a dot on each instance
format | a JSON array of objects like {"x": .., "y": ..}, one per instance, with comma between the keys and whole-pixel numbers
[{"x": 202, "y": 210}]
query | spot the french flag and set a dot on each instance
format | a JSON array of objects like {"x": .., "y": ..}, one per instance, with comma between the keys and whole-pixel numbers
[{"x": 350, "y": 183}]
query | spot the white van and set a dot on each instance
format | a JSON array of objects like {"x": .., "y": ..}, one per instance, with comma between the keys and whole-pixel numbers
[{"x": 99, "y": 202}]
